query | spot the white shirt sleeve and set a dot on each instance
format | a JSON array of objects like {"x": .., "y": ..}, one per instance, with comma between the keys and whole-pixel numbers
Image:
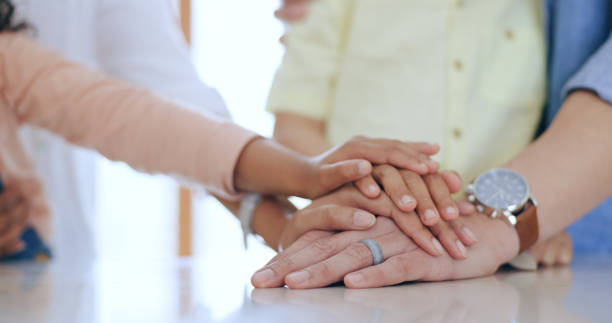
[{"x": 140, "y": 41}]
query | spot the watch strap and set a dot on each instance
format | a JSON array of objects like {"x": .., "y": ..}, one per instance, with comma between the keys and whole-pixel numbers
[{"x": 527, "y": 227}]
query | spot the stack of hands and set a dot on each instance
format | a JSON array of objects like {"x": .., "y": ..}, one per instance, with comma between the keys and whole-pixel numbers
[{"x": 404, "y": 203}]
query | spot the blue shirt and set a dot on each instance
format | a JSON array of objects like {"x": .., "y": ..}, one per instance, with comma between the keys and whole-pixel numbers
[{"x": 580, "y": 57}]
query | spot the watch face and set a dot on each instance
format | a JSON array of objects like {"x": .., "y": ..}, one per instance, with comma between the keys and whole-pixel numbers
[{"x": 501, "y": 189}]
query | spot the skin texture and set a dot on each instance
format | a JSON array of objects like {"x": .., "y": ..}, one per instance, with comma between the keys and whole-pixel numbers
[
  {"x": 582, "y": 127},
  {"x": 265, "y": 166}
]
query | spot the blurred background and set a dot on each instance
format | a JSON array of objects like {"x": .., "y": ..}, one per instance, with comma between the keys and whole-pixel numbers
[{"x": 137, "y": 214}]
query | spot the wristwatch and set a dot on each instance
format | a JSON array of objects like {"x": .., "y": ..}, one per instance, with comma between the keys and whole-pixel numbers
[{"x": 503, "y": 193}]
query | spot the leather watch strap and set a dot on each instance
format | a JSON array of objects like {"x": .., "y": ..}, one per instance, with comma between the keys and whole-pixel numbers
[{"x": 527, "y": 227}]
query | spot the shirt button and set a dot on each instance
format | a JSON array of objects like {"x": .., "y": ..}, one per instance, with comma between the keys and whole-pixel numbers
[
  {"x": 509, "y": 34},
  {"x": 458, "y": 65},
  {"x": 457, "y": 133}
]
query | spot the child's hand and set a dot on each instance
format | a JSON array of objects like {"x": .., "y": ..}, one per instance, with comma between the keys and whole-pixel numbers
[
  {"x": 430, "y": 196},
  {"x": 330, "y": 170}
]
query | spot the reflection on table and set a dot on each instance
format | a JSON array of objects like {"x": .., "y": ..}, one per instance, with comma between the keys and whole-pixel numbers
[{"x": 202, "y": 291}]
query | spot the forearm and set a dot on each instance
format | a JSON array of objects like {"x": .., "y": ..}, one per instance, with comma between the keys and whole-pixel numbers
[
  {"x": 568, "y": 167},
  {"x": 301, "y": 134},
  {"x": 267, "y": 167}
]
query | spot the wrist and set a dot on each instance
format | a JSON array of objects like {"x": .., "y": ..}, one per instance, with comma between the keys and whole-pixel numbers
[
  {"x": 267, "y": 167},
  {"x": 269, "y": 220},
  {"x": 502, "y": 238}
]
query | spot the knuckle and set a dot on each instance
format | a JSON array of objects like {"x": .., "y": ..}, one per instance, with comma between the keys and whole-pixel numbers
[
  {"x": 311, "y": 236},
  {"x": 282, "y": 265},
  {"x": 323, "y": 246},
  {"x": 401, "y": 264},
  {"x": 359, "y": 252}
]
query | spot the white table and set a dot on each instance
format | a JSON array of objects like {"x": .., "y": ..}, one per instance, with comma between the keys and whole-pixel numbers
[{"x": 200, "y": 290}]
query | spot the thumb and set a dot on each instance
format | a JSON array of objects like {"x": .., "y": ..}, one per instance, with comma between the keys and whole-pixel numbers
[{"x": 332, "y": 176}]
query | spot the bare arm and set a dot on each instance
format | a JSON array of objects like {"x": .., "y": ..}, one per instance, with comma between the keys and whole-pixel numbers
[
  {"x": 569, "y": 168},
  {"x": 302, "y": 134}
]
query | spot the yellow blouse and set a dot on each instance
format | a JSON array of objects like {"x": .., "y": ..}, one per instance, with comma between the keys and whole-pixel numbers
[{"x": 468, "y": 74}]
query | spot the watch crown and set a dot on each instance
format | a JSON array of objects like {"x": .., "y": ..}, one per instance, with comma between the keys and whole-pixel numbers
[
  {"x": 469, "y": 189},
  {"x": 511, "y": 219}
]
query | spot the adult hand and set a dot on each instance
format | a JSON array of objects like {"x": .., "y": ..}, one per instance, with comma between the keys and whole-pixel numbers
[
  {"x": 317, "y": 246},
  {"x": 13, "y": 221},
  {"x": 266, "y": 167},
  {"x": 429, "y": 194},
  {"x": 319, "y": 259},
  {"x": 324, "y": 217},
  {"x": 404, "y": 155}
]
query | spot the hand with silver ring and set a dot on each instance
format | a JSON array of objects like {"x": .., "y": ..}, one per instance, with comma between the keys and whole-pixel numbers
[{"x": 377, "y": 254}]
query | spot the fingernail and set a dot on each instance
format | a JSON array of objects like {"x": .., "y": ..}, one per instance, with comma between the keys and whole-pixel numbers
[
  {"x": 437, "y": 245},
  {"x": 461, "y": 248},
  {"x": 354, "y": 279},
  {"x": 470, "y": 234},
  {"x": 363, "y": 168},
  {"x": 429, "y": 214},
  {"x": 407, "y": 200},
  {"x": 452, "y": 211},
  {"x": 373, "y": 189},
  {"x": 261, "y": 277},
  {"x": 298, "y": 277},
  {"x": 363, "y": 219}
]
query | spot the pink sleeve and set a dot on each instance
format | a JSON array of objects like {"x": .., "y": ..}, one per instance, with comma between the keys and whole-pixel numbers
[{"x": 120, "y": 121}]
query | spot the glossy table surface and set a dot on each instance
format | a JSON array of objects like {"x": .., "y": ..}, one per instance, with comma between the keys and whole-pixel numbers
[{"x": 199, "y": 290}]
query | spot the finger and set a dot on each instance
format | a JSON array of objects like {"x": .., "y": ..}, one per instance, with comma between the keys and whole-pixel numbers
[
  {"x": 453, "y": 180},
  {"x": 368, "y": 186},
  {"x": 381, "y": 152},
  {"x": 408, "y": 266},
  {"x": 466, "y": 208},
  {"x": 442, "y": 197},
  {"x": 299, "y": 244},
  {"x": 274, "y": 274},
  {"x": 445, "y": 233},
  {"x": 411, "y": 225},
  {"x": 427, "y": 148},
  {"x": 335, "y": 175},
  {"x": 465, "y": 234},
  {"x": 327, "y": 217},
  {"x": 354, "y": 257},
  {"x": 426, "y": 208},
  {"x": 393, "y": 184},
  {"x": 291, "y": 12}
]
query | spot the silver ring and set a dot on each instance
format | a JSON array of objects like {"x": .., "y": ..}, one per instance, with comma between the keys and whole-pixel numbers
[{"x": 377, "y": 254}]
